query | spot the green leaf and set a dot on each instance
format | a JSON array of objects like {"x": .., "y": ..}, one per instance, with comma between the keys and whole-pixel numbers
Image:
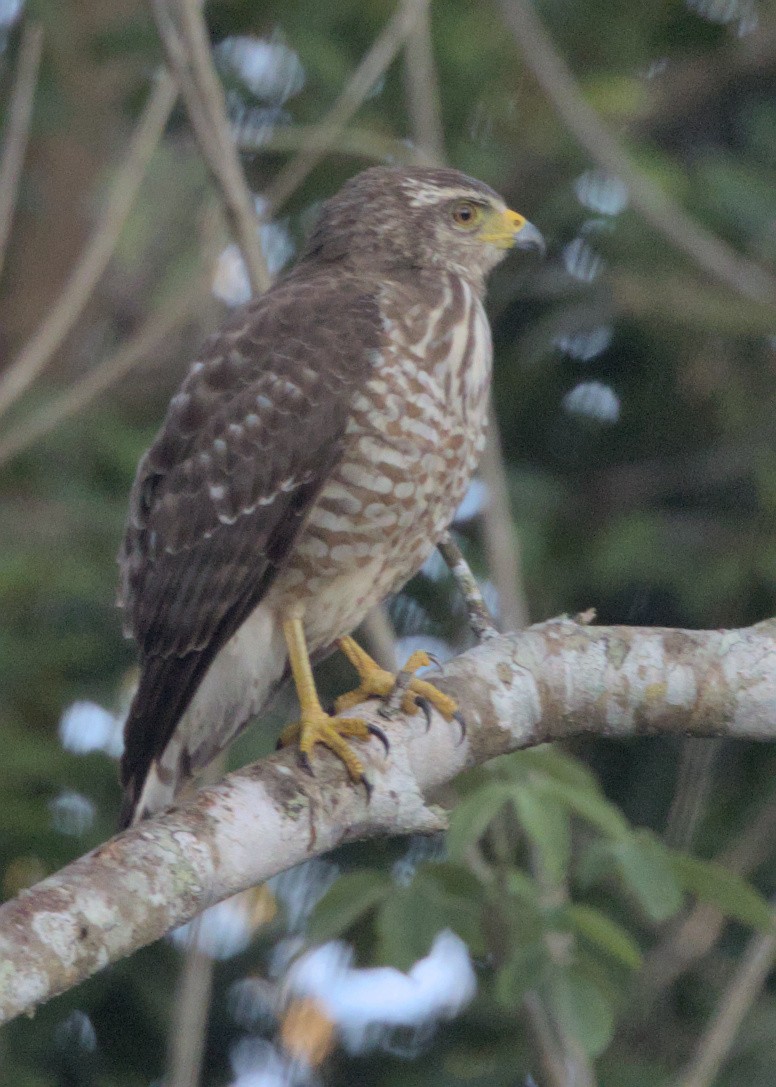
[
  {"x": 521, "y": 972},
  {"x": 589, "y": 804},
  {"x": 547, "y": 825},
  {"x": 646, "y": 869},
  {"x": 453, "y": 880},
  {"x": 556, "y": 764},
  {"x": 353, "y": 895},
  {"x": 581, "y": 1009},
  {"x": 440, "y": 896},
  {"x": 520, "y": 885},
  {"x": 605, "y": 933},
  {"x": 729, "y": 892},
  {"x": 471, "y": 818},
  {"x": 406, "y": 928}
]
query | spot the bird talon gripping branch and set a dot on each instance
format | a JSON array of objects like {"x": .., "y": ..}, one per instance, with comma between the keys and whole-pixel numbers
[
  {"x": 315, "y": 453},
  {"x": 403, "y": 692}
]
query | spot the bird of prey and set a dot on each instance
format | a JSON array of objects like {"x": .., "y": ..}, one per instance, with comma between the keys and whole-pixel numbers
[{"x": 311, "y": 461}]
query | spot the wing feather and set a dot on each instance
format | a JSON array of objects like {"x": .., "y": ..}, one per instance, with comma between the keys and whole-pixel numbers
[{"x": 221, "y": 495}]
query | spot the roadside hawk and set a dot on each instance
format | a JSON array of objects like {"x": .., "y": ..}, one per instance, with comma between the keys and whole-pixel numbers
[{"x": 312, "y": 459}]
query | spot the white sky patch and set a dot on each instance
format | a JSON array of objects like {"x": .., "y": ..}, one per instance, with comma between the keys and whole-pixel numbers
[
  {"x": 366, "y": 1004},
  {"x": 85, "y": 727},
  {"x": 268, "y": 69},
  {"x": 594, "y": 400},
  {"x": 725, "y": 12},
  {"x": 435, "y": 567},
  {"x": 76, "y": 1030},
  {"x": 223, "y": 930},
  {"x": 10, "y": 10},
  {"x": 586, "y": 344},
  {"x": 581, "y": 261},
  {"x": 301, "y": 888},
  {"x": 230, "y": 278},
  {"x": 435, "y": 647},
  {"x": 256, "y": 1063},
  {"x": 72, "y": 813},
  {"x": 474, "y": 502},
  {"x": 601, "y": 192}
]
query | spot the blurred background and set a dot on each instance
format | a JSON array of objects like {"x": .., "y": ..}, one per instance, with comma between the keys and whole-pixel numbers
[{"x": 570, "y": 930}]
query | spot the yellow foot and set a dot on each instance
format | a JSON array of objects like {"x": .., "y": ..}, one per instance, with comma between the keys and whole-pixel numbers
[
  {"x": 376, "y": 682},
  {"x": 317, "y": 727}
]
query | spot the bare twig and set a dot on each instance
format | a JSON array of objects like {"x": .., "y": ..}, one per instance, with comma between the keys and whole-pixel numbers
[
  {"x": 188, "y": 1029},
  {"x": 502, "y": 545},
  {"x": 383, "y": 51},
  {"x": 83, "y": 279},
  {"x": 541, "y": 1031},
  {"x": 691, "y": 791},
  {"x": 81, "y": 393},
  {"x": 551, "y": 681},
  {"x": 714, "y": 256},
  {"x": 745, "y": 986},
  {"x": 189, "y": 56},
  {"x": 358, "y": 142},
  {"x": 18, "y": 128},
  {"x": 423, "y": 89},
  {"x": 480, "y": 619}
]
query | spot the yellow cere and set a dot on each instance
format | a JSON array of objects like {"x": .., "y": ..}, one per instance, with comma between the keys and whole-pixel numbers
[{"x": 500, "y": 227}]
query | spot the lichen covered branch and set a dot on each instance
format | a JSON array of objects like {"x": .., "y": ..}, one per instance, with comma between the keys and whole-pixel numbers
[{"x": 553, "y": 681}]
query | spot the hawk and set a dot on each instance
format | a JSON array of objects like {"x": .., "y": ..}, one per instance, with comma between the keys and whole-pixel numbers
[{"x": 312, "y": 459}]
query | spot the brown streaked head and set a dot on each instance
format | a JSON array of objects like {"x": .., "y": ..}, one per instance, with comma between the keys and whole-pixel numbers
[{"x": 420, "y": 217}]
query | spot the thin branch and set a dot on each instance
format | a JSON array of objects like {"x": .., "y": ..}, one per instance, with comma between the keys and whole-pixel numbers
[
  {"x": 422, "y": 85},
  {"x": 480, "y": 619},
  {"x": 691, "y": 792},
  {"x": 502, "y": 545},
  {"x": 745, "y": 986},
  {"x": 369, "y": 71},
  {"x": 714, "y": 256},
  {"x": 697, "y": 932},
  {"x": 18, "y": 128},
  {"x": 190, "y": 1012},
  {"x": 552, "y": 681},
  {"x": 83, "y": 279},
  {"x": 189, "y": 55},
  {"x": 358, "y": 142},
  {"x": 159, "y": 326}
]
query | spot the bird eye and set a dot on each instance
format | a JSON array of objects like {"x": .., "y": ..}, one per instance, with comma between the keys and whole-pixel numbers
[{"x": 466, "y": 214}]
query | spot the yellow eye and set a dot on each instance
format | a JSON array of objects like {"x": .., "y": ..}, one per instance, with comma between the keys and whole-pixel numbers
[{"x": 466, "y": 214}]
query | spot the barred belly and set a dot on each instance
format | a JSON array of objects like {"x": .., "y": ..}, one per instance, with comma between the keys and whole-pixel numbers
[{"x": 415, "y": 435}]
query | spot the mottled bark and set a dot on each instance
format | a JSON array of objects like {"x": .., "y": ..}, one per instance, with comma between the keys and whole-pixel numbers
[{"x": 553, "y": 681}]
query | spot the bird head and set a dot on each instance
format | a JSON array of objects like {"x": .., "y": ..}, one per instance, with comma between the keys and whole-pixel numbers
[{"x": 422, "y": 217}]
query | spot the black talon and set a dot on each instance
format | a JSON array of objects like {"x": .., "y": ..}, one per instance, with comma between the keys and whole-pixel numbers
[
  {"x": 376, "y": 731},
  {"x": 364, "y": 780},
  {"x": 424, "y": 704},
  {"x": 459, "y": 717},
  {"x": 304, "y": 762}
]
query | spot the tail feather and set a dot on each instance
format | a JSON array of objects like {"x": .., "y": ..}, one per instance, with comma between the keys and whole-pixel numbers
[{"x": 175, "y": 729}]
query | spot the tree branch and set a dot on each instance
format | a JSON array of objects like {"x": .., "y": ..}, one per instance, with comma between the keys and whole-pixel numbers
[
  {"x": 713, "y": 255},
  {"x": 550, "y": 682},
  {"x": 18, "y": 128}
]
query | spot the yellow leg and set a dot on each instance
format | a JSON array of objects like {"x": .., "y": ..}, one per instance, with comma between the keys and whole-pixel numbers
[
  {"x": 315, "y": 726},
  {"x": 376, "y": 682}
]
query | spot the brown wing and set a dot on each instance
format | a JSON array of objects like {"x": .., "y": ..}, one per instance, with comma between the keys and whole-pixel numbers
[{"x": 221, "y": 495}]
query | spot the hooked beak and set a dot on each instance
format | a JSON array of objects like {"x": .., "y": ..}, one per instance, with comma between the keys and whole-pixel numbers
[
  {"x": 528, "y": 237},
  {"x": 508, "y": 229}
]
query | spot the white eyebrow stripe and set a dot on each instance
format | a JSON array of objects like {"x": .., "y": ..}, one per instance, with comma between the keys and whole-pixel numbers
[{"x": 420, "y": 195}]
